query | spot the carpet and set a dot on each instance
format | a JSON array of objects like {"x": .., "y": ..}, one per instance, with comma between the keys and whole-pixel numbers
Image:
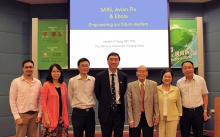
[{"x": 126, "y": 134}]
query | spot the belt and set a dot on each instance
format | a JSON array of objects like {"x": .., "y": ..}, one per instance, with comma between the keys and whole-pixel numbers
[
  {"x": 86, "y": 109},
  {"x": 30, "y": 112},
  {"x": 193, "y": 109}
]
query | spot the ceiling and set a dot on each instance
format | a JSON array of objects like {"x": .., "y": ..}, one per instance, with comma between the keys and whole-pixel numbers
[
  {"x": 190, "y": 1},
  {"x": 43, "y": 1},
  {"x": 65, "y": 1}
]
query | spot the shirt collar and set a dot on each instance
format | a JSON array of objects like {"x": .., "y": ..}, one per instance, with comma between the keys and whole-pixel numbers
[
  {"x": 184, "y": 78},
  {"x": 79, "y": 77},
  {"x": 172, "y": 88},
  {"x": 109, "y": 72},
  {"x": 23, "y": 78},
  {"x": 141, "y": 83}
]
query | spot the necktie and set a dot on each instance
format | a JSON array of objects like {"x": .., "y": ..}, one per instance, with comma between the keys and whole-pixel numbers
[
  {"x": 113, "y": 97},
  {"x": 142, "y": 98}
]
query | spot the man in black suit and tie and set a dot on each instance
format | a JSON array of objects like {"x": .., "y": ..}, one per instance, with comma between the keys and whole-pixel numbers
[{"x": 110, "y": 88}]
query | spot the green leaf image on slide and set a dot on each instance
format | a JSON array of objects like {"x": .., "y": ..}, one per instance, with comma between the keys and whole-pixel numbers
[
  {"x": 183, "y": 41},
  {"x": 180, "y": 38}
]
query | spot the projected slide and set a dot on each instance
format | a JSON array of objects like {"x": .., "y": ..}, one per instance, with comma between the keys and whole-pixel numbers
[{"x": 136, "y": 29}]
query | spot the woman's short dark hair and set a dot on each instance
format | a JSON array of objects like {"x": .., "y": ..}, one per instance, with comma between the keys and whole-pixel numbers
[
  {"x": 165, "y": 71},
  {"x": 49, "y": 77}
]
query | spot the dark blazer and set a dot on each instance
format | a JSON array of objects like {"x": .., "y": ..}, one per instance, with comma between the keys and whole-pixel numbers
[{"x": 103, "y": 93}]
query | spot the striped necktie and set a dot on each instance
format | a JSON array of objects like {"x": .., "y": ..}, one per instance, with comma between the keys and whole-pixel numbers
[{"x": 113, "y": 96}]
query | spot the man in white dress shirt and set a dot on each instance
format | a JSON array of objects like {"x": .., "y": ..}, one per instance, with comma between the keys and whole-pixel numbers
[
  {"x": 24, "y": 99},
  {"x": 81, "y": 97},
  {"x": 194, "y": 94}
]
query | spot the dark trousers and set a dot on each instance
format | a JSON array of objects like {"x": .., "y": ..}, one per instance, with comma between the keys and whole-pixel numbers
[
  {"x": 83, "y": 120},
  {"x": 114, "y": 122},
  {"x": 192, "y": 118},
  {"x": 147, "y": 131}
]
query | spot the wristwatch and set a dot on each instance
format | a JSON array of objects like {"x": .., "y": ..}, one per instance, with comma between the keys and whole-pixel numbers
[{"x": 205, "y": 110}]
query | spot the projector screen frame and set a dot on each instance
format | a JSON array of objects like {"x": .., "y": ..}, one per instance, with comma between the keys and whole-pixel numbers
[{"x": 122, "y": 68}]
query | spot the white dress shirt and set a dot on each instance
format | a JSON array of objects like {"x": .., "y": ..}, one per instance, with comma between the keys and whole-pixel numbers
[
  {"x": 192, "y": 91},
  {"x": 25, "y": 96},
  {"x": 81, "y": 92}
]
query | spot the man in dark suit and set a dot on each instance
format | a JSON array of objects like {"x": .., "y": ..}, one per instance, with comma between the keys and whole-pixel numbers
[{"x": 110, "y": 88}]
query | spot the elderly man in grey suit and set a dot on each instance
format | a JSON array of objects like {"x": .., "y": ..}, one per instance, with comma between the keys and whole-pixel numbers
[{"x": 142, "y": 106}]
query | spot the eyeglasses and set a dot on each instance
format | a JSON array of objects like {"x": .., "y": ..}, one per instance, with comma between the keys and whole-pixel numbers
[
  {"x": 84, "y": 66},
  {"x": 27, "y": 67},
  {"x": 113, "y": 59}
]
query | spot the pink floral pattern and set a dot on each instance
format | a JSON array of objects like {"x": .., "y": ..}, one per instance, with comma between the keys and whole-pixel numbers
[{"x": 60, "y": 131}]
